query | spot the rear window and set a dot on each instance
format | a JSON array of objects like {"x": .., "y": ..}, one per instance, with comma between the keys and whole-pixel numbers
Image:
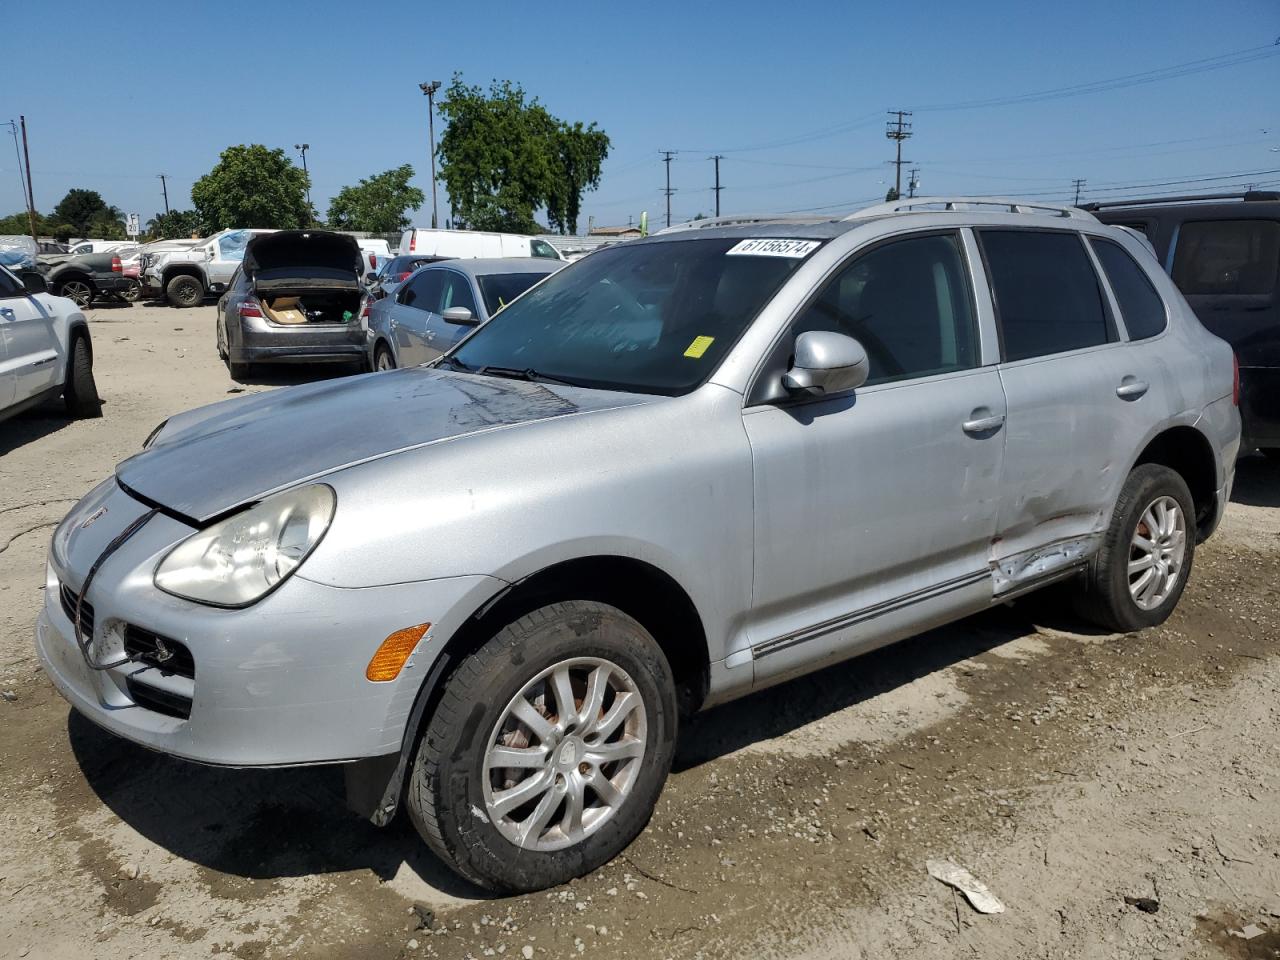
[
  {"x": 1227, "y": 257},
  {"x": 1140, "y": 305},
  {"x": 1047, "y": 296},
  {"x": 543, "y": 249},
  {"x": 499, "y": 289}
]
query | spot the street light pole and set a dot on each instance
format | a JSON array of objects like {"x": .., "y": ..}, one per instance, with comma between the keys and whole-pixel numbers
[
  {"x": 302, "y": 148},
  {"x": 430, "y": 90}
]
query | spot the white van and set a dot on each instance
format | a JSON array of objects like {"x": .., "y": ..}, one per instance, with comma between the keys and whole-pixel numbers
[{"x": 468, "y": 244}]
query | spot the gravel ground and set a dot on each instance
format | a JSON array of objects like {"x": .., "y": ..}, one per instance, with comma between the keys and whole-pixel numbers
[{"x": 1065, "y": 768}]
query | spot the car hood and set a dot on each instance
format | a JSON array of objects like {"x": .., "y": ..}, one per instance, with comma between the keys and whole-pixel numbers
[{"x": 208, "y": 461}]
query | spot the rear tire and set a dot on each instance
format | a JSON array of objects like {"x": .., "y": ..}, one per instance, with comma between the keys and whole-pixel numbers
[
  {"x": 456, "y": 790},
  {"x": 184, "y": 291},
  {"x": 1117, "y": 593},
  {"x": 81, "y": 391},
  {"x": 239, "y": 370},
  {"x": 79, "y": 292},
  {"x": 382, "y": 358},
  {"x": 132, "y": 293}
]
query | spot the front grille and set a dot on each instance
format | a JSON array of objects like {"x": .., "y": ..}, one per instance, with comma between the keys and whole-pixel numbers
[
  {"x": 168, "y": 656},
  {"x": 161, "y": 701},
  {"x": 68, "y": 598}
]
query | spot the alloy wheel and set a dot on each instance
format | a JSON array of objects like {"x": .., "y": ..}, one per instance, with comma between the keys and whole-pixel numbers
[
  {"x": 78, "y": 292},
  {"x": 565, "y": 754},
  {"x": 1157, "y": 552}
]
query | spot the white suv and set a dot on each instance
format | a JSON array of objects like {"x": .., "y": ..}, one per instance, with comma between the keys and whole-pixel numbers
[{"x": 44, "y": 349}]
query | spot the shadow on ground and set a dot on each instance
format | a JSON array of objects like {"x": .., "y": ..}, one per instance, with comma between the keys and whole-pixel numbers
[
  {"x": 263, "y": 824},
  {"x": 1257, "y": 481},
  {"x": 34, "y": 424}
]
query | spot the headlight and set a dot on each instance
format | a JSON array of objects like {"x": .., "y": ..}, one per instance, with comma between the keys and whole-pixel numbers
[{"x": 240, "y": 560}]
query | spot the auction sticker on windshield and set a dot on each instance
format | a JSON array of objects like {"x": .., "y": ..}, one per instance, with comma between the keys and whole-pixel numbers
[{"x": 773, "y": 248}]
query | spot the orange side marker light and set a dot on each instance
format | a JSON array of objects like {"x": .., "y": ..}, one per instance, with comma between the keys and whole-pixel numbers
[{"x": 393, "y": 652}]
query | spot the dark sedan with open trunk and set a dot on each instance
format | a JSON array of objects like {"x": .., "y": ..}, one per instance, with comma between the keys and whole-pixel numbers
[{"x": 298, "y": 297}]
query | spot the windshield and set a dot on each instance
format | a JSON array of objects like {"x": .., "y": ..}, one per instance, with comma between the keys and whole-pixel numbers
[
  {"x": 499, "y": 289},
  {"x": 644, "y": 317}
]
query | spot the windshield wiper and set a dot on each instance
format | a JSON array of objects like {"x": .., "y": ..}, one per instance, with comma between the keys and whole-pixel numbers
[
  {"x": 453, "y": 362},
  {"x": 528, "y": 373}
]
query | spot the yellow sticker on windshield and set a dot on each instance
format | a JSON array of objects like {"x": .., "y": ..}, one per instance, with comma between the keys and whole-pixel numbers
[{"x": 699, "y": 347}]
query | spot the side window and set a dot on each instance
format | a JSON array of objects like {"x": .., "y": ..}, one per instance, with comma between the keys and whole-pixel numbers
[
  {"x": 1047, "y": 296},
  {"x": 1227, "y": 257},
  {"x": 10, "y": 286},
  {"x": 422, "y": 291},
  {"x": 457, "y": 293},
  {"x": 543, "y": 249},
  {"x": 231, "y": 247},
  {"x": 908, "y": 303},
  {"x": 1141, "y": 307}
]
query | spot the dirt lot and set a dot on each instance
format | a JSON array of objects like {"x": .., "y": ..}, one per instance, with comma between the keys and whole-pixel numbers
[{"x": 1067, "y": 769}]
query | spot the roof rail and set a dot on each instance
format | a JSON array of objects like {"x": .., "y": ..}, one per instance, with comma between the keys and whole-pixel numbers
[
  {"x": 707, "y": 223},
  {"x": 1249, "y": 196},
  {"x": 1005, "y": 204}
]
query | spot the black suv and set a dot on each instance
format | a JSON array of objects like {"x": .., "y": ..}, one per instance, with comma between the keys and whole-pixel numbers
[{"x": 1223, "y": 252}]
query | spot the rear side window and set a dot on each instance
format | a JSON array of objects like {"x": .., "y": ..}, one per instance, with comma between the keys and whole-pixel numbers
[
  {"x": 1140, "y": 306},
  {"x": 543, "y": 249},
  {"x": 1047, "y": 296},
  {"x": 908, "y": 303},
  {"x": 1227, "y": 257},
  {"x": 422, "y": 291}
]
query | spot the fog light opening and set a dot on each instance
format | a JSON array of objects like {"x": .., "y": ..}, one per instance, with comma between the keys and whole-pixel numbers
[{"x": 394, "y": 652}]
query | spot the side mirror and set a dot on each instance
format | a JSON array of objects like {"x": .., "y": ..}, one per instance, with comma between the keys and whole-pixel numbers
[
  {"x": 34, "y": 282},
  {"x": 827, "y": 364},
  {"x": 461, "y": 316}
]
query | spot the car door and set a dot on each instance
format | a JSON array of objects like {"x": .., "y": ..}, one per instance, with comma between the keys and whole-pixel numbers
[
  {"x": 874, "y": 512},
  {"x": 32, "y": 361},
  {"x": 1078, "y": 402},
  {"x": 441, "y": 335},
  {"x": 415, "y": 301},
  {"x": 228, "y": 254}
]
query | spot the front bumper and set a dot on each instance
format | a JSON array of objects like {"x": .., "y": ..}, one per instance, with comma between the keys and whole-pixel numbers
[{"x": 278, "y": 683}]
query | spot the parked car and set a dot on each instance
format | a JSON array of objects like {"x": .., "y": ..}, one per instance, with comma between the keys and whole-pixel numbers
[
  {"x": 396, "y": 271},
  {"x": 18, "y": 252},
  {"x": 449, "y": 244},
  {"x": 375, "y": 252},
  {"x": 52, "y": 248},
  {"x": 131, "y": 262},
  {"x": 81, "y": 247},
  {"x": 686, "y": 468},
  {"x": 45, "y": 350},
  {"x": 186, "y": 277},
  {"x": 441, "y": 303},
  {"x": 297, "y": 298},
  {"x": 87, "y": 277},
  {"x": 1223, "y": 252}
]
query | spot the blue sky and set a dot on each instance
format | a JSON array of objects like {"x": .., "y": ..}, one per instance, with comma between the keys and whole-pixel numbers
[{"x": 792, "y": 94}]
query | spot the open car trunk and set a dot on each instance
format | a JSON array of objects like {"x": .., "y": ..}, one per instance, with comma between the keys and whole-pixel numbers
[{"x": 306, "y": 276}]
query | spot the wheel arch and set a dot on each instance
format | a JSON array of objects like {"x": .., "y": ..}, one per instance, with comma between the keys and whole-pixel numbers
[
  {"x": 1188, "y": 452},
  {"x": 76, "y": 329},
  {"x": 648, "y": 594},
  {"x": 183, "y": 270}
]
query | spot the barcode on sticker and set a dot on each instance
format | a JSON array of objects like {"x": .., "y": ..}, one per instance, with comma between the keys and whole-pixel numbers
[{"x": 773, "y": 248}]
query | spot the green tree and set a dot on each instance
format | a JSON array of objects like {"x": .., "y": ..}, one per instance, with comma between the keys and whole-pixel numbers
[
  {"x": 377, "y": 204},
  {"x": 578, "y": 154},
  {"x": 83, "y": 209},
  {"x": 252, "y": 186},
  {"x": 175, "y": 225},
  {"x": 892, "y": 195},
  {"x": 17, "y": 223},
  {"x": 503, "y": 157}
]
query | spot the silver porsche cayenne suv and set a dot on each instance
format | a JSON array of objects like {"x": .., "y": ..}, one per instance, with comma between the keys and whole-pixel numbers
[{"x": 676, "y": 472}]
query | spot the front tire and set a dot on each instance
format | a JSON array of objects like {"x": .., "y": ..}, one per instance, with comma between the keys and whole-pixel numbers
[
  {"x": 548, "y": 750},
  {"x": 1138, "y": 576},
  {"x": 382, "y": 358},
  {"x": 81, "y": 391},
  {"x": 79, "y": 292},
  {"x": 133, "y": 292},
  {"x": 184, "y": 291}
]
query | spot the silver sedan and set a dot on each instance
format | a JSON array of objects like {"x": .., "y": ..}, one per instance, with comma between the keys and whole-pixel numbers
[{"x": 440, "y": 304}]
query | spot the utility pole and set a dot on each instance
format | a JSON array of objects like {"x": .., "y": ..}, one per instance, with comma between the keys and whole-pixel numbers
[
  {"x": 302, "y": 148},
  {"x": 717, "y": 158},
  {"x": 1079, "y": 185},
  {"x": 430, "y": 90},
  {"x": 17, "y": 152},
  {"x": 31, "y": 196},
  {"x": 666, "y": 158},
  {"x": 913, "y": 181},
  {"x": 898, "y": 129},
  {"x": 164, "y": 188}
]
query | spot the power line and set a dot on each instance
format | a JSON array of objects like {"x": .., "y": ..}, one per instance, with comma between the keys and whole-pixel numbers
[
  {"x": 1234, "y": 58},
  {"x": 898, "y": 129}
]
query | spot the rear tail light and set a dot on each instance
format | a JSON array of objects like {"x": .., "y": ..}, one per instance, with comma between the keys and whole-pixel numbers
[
  {"x": 115, "y": 265},
  {"x": 365, "y": 311},
  {"x": 413, "y": 241},
  {"x": 1235, "y": 379},
  {"x": 373, "y": 263},
  {"x": 401, "y": 278},
  {"x": 250, "y": 308}
]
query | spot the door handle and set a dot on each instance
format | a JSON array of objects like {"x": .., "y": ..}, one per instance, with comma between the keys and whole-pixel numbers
[
  {"x": 1131, "y": 389},
  {"x": 983, "y": 424},
  {"x": 7, "y": 313}
]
